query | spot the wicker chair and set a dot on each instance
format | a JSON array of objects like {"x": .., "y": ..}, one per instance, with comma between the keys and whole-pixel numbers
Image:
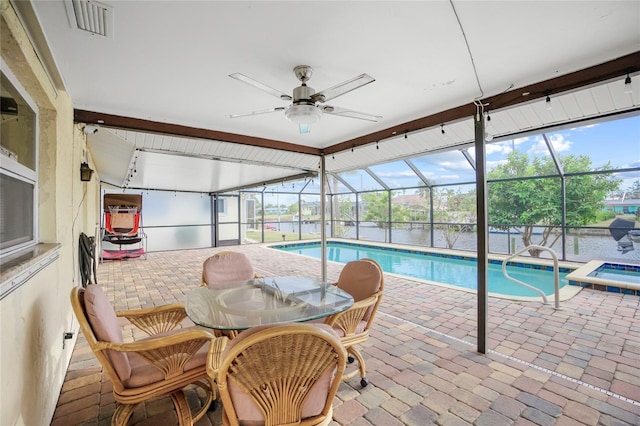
[
  {"x": 226, "y": 266},
  {"x": 364, "y": 280},
  {"x": 279, "y": 375},
  {"x": 156, "y": 366}
]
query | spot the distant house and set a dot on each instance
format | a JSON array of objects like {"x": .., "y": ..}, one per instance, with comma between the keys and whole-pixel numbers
[
  {"x": 275, "y": 210},
  {"x": 410, "y": 201},
  {"x": 416, "y": 204},
  {"x": 622, "y": 206}
]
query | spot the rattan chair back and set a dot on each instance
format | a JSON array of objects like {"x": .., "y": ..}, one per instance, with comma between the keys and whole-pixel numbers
[
  {"x": 226, "y": 266},
  {"x": 280, "y": 375}
]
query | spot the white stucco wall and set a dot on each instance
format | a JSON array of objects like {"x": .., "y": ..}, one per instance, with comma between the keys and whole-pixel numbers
[{"x": 33, "y": 362}]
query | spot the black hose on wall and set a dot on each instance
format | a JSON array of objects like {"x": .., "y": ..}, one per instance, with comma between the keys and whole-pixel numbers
[{"x": 87, "y": 259}]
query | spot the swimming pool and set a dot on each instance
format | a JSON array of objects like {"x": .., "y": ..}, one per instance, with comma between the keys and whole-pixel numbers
[
  {"x": 456, "y": 270},
  {"x": 608, "y": 276},
  {"x": 612, "y": 271}
]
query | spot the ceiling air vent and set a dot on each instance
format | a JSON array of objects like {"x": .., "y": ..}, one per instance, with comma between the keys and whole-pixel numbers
[{"x": 91, "y": 16}]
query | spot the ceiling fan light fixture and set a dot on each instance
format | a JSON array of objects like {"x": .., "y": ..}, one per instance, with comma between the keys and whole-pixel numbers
[
  {"x": 303, "y": 114},
  {"x": 304, "y": 110}
]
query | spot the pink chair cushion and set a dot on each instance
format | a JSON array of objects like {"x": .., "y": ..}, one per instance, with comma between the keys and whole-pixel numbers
[
  {"x": 360, "y": 328},
  {"x": 105, "y": 325},
  {"x": 227, "y": 267},
  {"x": 361, "y": 279},
  {"x": 144, "y": 373},
  {"x": 247, "y": 410}
]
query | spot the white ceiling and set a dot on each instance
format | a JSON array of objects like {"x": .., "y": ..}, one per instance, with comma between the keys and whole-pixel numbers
[{"x": 169, "y": 61}]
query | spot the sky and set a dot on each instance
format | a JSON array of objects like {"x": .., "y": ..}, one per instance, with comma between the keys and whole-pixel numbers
[{"x": 614, "y": 141}]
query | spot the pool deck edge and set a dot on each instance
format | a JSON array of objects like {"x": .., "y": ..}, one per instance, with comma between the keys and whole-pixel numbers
[{"x": 581, "y": 275}]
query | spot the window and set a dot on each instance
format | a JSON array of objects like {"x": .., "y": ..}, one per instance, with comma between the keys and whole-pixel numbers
[
  {"x": 222, "y": 206},
  {"x": 18, "y": 171}
]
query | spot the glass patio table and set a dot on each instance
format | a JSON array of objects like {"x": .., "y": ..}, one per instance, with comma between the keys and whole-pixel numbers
[{"x": 244, "y": 304}]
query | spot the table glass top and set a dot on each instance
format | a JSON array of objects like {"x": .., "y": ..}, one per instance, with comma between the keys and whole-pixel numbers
[{"x": 244, "y": 304}]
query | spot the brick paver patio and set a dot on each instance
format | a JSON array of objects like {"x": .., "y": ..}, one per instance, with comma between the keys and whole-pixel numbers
[{"x": 577, "y": 365}]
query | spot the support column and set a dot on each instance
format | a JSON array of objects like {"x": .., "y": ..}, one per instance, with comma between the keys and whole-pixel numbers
[
  {"x": 482, "y": 229},
  {"x": 323, "y": 226}
]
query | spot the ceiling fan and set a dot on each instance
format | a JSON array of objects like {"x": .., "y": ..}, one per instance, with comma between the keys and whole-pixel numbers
[{"x": 305, "y": 107}]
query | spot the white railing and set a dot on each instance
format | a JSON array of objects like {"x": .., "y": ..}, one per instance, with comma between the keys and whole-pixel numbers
[{"x": 556, "y": 276}]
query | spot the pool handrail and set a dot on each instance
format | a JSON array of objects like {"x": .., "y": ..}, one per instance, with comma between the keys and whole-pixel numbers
[{"x": 556, "y": 276}]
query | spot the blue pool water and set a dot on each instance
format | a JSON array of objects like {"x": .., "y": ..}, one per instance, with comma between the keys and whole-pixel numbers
[
  {"x": 460, "y": 271},
  {"x": 617, "y": 272}
]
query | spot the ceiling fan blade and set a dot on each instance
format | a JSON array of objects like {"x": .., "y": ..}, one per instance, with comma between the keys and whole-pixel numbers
[
  {"x": 343, "y": 112},
  {"x": 342, "y": 88},
  {"x": 263, "y": 111},
  {"x": 268, "y": 89}
]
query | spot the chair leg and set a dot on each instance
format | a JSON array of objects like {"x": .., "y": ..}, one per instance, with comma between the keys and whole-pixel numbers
[
  {"x": 352, "y": 351},
  {"x": 209, "y": 405},
  {"x": 361, "y": 366},
  {"x": 183, "y": 411},
  {"x": 182, "y": 408},
  {"x": 121, "y": 415}
]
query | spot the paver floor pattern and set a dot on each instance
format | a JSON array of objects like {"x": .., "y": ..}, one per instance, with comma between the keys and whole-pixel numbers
[{"x": 577, "y": 365}]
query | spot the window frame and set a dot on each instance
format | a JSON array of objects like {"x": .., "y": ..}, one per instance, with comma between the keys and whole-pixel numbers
[
  {"x": 12, "y": 168},
  {"x": 221, "y": 206}
]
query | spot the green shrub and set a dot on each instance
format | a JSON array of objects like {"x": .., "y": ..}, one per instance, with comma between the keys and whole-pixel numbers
[{"x": 605, "y": 215}]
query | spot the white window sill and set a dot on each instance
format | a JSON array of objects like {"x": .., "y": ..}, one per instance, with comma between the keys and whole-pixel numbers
[{"x": 19, "y": 267}]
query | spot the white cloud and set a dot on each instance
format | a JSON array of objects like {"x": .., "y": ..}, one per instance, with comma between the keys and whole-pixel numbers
[
  {"x": 505, "y": 147},
  {"x": 559, "y": 144},
  {"x": 493, "y": 164},
  {"x": 582, "y": 128},
  {"x": 396, "y": 175},
  {"x": 448, "y": 177},
  {"x": 501, "y": 148},
  {"x": 520, "y": 141},
  {"x": 455, "y": 165}
]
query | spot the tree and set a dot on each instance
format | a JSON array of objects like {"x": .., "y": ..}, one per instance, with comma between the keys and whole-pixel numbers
[
  {"x": 454, "y": 210},
  {"x": 377, "y": 210},
  {"x": 537, "y": 202},
  {"x": 633, "y": 192},
  {"x": 343, "y": 215}
]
